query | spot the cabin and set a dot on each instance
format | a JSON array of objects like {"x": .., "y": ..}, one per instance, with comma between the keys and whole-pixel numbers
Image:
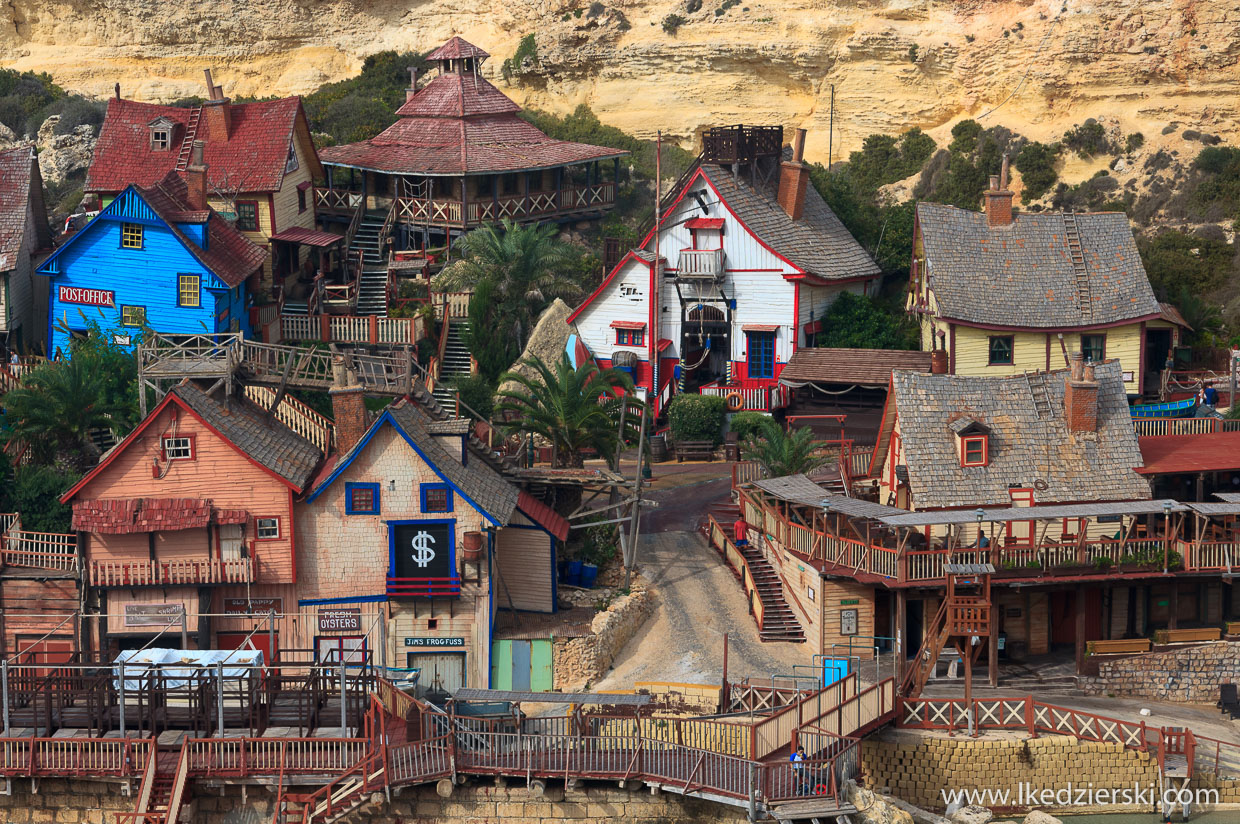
[
  {"x": 1006, "y": 292},
  {"x": 191, "y": 517},
  {"x": 743, "y": 264},
  {"x": 24, "y": 232},
  {"x": 413, "y": 519},
  {"x": 261, "y": 159},
  {"x": 156, "y": 257},
  {"x": 458, "y": 157}
]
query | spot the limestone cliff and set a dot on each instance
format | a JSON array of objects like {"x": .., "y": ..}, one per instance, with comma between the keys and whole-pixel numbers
[{"x": 894, "y": 63}]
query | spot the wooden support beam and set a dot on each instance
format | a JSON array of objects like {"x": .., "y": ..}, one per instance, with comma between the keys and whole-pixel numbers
[{"x": 1080, "y": 629}]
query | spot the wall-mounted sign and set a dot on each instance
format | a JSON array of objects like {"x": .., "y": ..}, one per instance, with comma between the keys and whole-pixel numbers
[
  {"x": 88, "y": 297},
  {"x": 848, "y": 602},
  {"x": 423, "y": 550},
  {"x": 253, "y": 606},
  {"x": 337, "y": 621},
  {"x": 848, "y": 622},
  {"x": 153, "y": 615},
  {"x": 425, "y": 643}
]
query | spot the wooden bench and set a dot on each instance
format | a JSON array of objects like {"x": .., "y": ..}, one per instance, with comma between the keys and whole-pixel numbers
[
  {"x": 1233, "y": 628},
  {"x": 1182, "y": 636},
  {"x": 1122, "y": 646},
  {"x": 701, "y": 450}
]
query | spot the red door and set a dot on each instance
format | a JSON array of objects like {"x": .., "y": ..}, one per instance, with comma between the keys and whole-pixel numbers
[
  {"x": 258, "y": 641},
  {"x": 49, "y": 651}
]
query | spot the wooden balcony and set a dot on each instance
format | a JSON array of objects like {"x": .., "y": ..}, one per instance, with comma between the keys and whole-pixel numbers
[
  {"x": 700, "y": 264},
  {"x": 188, "y": 572},
  {"x": 463, "y": 214},
  {"x": 755, "y": 396},
  {"x": 38, "y": 553}
]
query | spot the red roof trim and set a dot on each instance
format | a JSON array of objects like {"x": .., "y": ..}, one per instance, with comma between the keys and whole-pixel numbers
[
  {"x": 628, "y": 324},
  {"x": 543, "y": 515},
  {"x": 664, "y": 343},
  {"x": 606, "y": 282},
  {"x": 760, "y": 327}
]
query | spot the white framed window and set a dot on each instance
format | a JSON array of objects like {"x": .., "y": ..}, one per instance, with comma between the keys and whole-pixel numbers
[
  {"x": 267, "y": 529},
  {"x": 180, "y": 448}
]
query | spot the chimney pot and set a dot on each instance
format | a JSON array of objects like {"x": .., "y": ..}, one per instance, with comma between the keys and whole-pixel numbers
[
  {"x": 793, "y": 179},
  {"x": 798, "y": 146},
  {"x": 196, "y": 177},
  {"x": 210, "y": 85},
  {"x": 938, "y": 362},
  {"x": 994, "y": 183},
  {"x": 118, "y": 91},
  {"x": 1075, "y": 364},
  {"x": 1003, "y": 173}
]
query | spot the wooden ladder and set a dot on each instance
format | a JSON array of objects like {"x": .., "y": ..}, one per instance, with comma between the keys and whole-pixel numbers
[
  {"x": 187, "y": 145},
  {"x": 1072, "y": 236},
  {"x": 1037, "y": 390}
]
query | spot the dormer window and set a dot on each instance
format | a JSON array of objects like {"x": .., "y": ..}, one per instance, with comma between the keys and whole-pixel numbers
[
  {"x": 161, "y": 134},
  {"x": 972, "y": 441}
]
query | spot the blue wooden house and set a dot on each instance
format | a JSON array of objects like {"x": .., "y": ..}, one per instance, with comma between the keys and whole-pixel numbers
[{"x": 156, "y": 257}]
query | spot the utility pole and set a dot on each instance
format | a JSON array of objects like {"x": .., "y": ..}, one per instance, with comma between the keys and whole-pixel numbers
[
  {"x": 831, "y": 131},
  {"x": 631, "y": 561}
]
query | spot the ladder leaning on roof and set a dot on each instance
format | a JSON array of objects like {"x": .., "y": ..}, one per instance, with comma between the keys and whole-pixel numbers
[{"x": 1072, "y": 238}]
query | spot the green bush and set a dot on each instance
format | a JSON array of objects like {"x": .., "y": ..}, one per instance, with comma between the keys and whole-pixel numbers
[
  {"x": 746, "y": 425},
  {"x": 858, "y": 322},
  {"x": 361, "y": 107},
  {"x": 1088, "y": 139},
  {"x": 697, "y": 418},
  {"x": 24, "y": 96},
  {"x": 476, "y": 393},
  {"x": 515, "y": 65},
  {"x": 960, "y": 174},
  {"x": 1176, "y": 260},
  {"x": 884, "y": 159},
  {"x": 36, "y": 492},
  {"x": 493, "y": 353},
  {"x": 1036, "y": 164},
  {"x": 77, "y": 111},
  {"x": 673, "y": 22},
  {"x": 1135, "y": 141}
]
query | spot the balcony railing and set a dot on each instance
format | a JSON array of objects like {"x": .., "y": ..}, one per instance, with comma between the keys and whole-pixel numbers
[
  {"x": 700, "y": 264},
  {"x": 1147, "y": 427},
  {"x": 455, "y": 213},
  {"x": 186, "y": 572},
  {"x": 49, "y": 551}
]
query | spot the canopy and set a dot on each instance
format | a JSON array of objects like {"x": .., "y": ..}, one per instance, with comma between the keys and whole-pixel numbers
[
  {"x": 177, "y": 666},
  {"x": 308, "y": 237}
]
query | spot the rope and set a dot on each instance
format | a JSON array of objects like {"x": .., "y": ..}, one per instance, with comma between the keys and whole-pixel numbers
[
  {"x": 817, "y": 388},
  {"x": 1029, "y": 67},
  {"x": 44, "y": 637}
]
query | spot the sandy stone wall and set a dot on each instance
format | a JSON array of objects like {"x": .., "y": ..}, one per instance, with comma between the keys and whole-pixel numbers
[
  {"x": 917, "y": 767},
  {"x": 1190, "y": 675},
  {"x": 579, "y": 661}
]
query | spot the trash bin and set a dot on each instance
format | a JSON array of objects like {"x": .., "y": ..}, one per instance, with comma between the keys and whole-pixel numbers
[
  {"x": 589, "y": 574},
  {"x": 574, "y": 573}
]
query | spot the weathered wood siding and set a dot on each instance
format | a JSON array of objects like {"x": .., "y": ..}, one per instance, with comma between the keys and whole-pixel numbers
[
  {"x": 838, "y": 595},
  {"x": 526, "y": 565},
  {"x": 626, "y": 297},
  {"x": 17, "y": 292},
  {"x": 218, "y": 473}
]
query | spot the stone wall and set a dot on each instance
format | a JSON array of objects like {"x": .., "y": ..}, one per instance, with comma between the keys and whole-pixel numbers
[
  {"x": 89, "y": 802},
  {"x": 582, "y": 660},
  {"x": 918, "y": 767},
  {"x": 1188, "y": 675}
]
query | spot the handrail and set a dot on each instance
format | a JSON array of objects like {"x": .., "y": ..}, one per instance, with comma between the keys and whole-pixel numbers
[
  {"x": 178, "y": 784},
  {"x": 148, "y": 779}
]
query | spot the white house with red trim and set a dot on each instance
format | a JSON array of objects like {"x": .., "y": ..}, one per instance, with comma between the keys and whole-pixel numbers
[{"x": 745, "y": 262}]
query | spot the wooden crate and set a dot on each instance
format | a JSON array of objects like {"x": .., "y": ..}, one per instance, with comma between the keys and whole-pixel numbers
[
  {"x": 1119, "y": 647},
  {"x": 1181, "y": 636}
]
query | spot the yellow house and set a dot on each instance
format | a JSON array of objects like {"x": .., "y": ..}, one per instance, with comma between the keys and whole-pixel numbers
[
  {"x": 261, "y": 164},
  {"x": 1005, "y": 293}
]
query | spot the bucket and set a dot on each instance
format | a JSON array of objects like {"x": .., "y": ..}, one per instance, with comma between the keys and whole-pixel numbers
[
  {"x": 574, "y": 573},
  {"x": 658, "y": 448},
  {"x": 589, "y": 574}
]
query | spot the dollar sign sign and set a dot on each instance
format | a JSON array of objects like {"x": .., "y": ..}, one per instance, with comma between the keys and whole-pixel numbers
[{"x": 423, "y": 554}]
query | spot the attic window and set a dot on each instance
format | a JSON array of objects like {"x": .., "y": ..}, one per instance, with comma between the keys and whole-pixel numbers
[
  {"x": 974, "y": 450},
  {"x": 290, "y": 163},
  {"x": 161, "y": 134}
]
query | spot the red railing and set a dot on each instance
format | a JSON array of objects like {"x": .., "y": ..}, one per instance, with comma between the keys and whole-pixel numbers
[
  {"x": 74, "y": 756},
  {"x": 424, "y": 587}
]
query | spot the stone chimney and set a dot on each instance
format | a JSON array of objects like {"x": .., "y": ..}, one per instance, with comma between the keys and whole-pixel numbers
[
  {"x": 215, "y": 111},
  {"x": 348, "y": 406},
  {"x": 1080, "y": 397},
  {"x": 999, "y": 198},
  {"x": 794, "y": 179},
  {"x": 196, "y": 177}
]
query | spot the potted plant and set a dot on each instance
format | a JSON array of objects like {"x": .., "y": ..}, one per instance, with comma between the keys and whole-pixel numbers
[{"x": 472, "y": 544}]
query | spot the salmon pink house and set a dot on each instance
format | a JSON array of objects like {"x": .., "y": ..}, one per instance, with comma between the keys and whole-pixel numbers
[{"x": 746, "y": 260}]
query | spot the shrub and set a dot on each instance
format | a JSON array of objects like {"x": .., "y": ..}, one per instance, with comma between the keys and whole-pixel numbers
[
  {"x": 1036, "y": 163},
  {"x": 515, "y": 65},
  {"x": 884, "y": 159},
  {"x": 78, "y": 111},
  {"x": 697, "y": 418},
  {"x": 23, "y": 98},
  {"x": 673, "y": 22},
  {"x": 477, "y": 393},
  {"x": 857, "y": 322},
  {"x": 1088, "y": 139},
  {"x": 362, "y": 106},
  {"x": 1175, "y": 260},
  {"x": 35, "y": 494},
  {"x": 746, "y": 425},
  {"x": 959, "y": 175},
  {"x": 1135, "y": 141},
  {"x": 693, "y": 5}
]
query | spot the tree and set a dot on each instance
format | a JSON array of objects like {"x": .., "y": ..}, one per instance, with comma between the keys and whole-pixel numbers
[
  {"x": 494, "y": 354},
  {"x": 784, "y": 453},
  {"x": 573, "y": 409},
  {"x": 57, "y": 406},
  {"x": 526, "y": 264},
  {"x": 858, "y": 322},
  {"x": 35, "y": 495}
]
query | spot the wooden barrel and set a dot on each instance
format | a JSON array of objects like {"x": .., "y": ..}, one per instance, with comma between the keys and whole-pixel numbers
[{"x": 658, "y": 448}]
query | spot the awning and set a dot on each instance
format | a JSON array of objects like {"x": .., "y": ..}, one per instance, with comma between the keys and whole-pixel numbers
[
  {"x": 760, "y": 327},
  {"x": 1031, "y": 513},
  {"x": 1175, "y": 454},
  {"x": 308, "y": 237},
  {"x": 628, "y": 324},
  {"x": 543, "y": 515},
  {"x": 862, "y": 367},
  {"x": 664, "y": 343},
  {"x": 124, "y": 516},
  {"x": 704, "y": 223}
]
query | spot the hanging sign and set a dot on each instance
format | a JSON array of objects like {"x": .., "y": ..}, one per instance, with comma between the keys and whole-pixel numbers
[
  {"x": 87, "y": 297},
  {"x": 253, "y": 606},
  {"x": 153, "y": 615},
  {"x": 848, "y": 622},
  {"x": 336, "y": 621},
  {"x": 424, "y": 550}
]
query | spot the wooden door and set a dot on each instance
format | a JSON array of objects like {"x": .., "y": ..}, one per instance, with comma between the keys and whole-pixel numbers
[
  {"x": 1020, "y": 533},
  {"x": 268, "y": 645}
]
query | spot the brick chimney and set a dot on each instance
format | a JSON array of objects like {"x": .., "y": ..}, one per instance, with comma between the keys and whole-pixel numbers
[
  {"x": 215, "y": 112},
  {"x": 413, "y": 83},
  {"x": 999, "y": 198},
  {"x": 196, "y": 177},
  {"x": 794, "y": 179},
  {"x": 1080, "y": 397},
  {"x": 348, "y": 406}
]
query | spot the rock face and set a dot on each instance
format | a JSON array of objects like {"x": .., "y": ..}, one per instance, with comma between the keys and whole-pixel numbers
[
  {"x": 61, "y": 155},
  {"x": 971, "y": 814},
  {"x": 547, "y": 341},
  {"x": 894, "y": 63}
]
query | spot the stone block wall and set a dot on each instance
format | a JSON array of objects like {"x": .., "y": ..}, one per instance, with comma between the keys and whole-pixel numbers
[
  {"x": 64, "y": 802},
  {"x": 582, "y": 660},
  {"x": 1188, "y": 675}
]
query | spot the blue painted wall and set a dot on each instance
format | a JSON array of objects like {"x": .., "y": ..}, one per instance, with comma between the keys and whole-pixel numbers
[{"x": 147, "y": 277}]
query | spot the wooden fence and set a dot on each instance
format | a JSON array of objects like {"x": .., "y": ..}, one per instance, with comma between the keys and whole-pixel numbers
[
  {"x": 1155, "y": 427},
  {"x": 38, "y": 550},
  {"x": 368, "y": 329}
]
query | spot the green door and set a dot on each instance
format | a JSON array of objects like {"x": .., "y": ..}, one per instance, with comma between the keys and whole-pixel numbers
[
  {"x": 501, "y": 665},
  {"x": 522, "y": 665},
  {"x": 541, "y": 679}
]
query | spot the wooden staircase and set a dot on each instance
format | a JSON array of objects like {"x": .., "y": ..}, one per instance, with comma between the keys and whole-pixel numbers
[
  {"x": 333, "y": 801},
  {"x": 163, "y": 793},
  {"x": 778, "y": 622},
  {"x": 922, "y": 666}
]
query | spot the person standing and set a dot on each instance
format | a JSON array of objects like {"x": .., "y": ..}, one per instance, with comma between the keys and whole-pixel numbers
[{"x": 740, "y": 531}]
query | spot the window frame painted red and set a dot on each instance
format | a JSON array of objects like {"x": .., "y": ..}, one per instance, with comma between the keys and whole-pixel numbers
[
  {"x": 969, "y": 440},
  {"x": 193, "y": 446}
]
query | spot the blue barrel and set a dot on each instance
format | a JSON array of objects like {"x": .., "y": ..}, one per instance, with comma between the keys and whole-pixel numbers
[
  {"x": 589, "y": 574},
  {"x": 574, "y": 573}
]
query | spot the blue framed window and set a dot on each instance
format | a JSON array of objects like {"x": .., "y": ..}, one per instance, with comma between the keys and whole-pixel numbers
[
  {"x": 361, "y": 499},
  {"x": 761, "y": 352},
  {"x": 436, "y": 498}
]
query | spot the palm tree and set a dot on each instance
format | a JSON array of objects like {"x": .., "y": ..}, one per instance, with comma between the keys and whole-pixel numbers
[
  {"x": 57, "y": 406},
  {"x": 526, "y": 263},
  {"x": 782, "y": 453},
  {"x": 572, "y": 408}
]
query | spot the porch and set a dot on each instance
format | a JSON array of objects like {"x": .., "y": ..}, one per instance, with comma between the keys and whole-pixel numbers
[{"x": 178, "y": 572}]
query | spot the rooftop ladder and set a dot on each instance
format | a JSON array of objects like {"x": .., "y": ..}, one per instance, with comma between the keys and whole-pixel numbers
[
  {"x": 1072, "y": 236},
  {"x": 1041, "y": 398},
  {"x": 191, "y": 132}
]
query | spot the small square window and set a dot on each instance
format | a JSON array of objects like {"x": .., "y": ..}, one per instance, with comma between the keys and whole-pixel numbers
[
  {"x": 133, "y": 315},
  {"x": 1094, "y": 348},
  {"x": 178, "y": 449},
  {"x": 131, "y": 236},
  {"x": 973, "y": 451},
  {"x": 247, "y": 215},
  {"x": 1001, "y": 351},
  {"x": 361, "y": 499},
  {"x": 436, "y": 498},
  {"x": 187, "y": 290},
  {"x": 267, "y": 529},
  {"x": 160, "y": 138}
]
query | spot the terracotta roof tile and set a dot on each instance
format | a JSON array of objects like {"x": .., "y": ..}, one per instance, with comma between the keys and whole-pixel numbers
[{"x": 455, "y": 48}]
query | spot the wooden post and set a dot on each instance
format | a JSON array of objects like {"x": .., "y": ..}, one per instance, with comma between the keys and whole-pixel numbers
[
  {"x": 900, "y": 628},
  {"x": 1080, "y": 629},
  {"x": 992, "y": 638},
  {"x": 1175, "y": 604}
]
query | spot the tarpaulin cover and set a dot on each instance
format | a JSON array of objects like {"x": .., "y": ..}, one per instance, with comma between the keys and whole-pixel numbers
[{"x": 177, "y": 666}]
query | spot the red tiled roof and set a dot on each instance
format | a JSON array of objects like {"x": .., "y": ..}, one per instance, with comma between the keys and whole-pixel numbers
[
  {"x": 628, "y": 324},
  {"x": 15, "y": 168},
  {"x": 456, "y": 95},
  {"x": 1175, "y": 454},
  {"x": 253, "y": 155},
  {"x": 704, "y": 223},
  {"x": 231, "y": 516},
  {"x": 128, "y": 515},
  {"x": 543, "y": 515},
  {"x": 229, "y": 254},
  {"x": 456, "y": 48}
]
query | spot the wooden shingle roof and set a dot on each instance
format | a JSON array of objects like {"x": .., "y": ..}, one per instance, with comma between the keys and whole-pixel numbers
[
  {"x": 867, "y": 367},
  {"x": 19, "y": 180},
  {"x": 1022, "y": 275}
]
